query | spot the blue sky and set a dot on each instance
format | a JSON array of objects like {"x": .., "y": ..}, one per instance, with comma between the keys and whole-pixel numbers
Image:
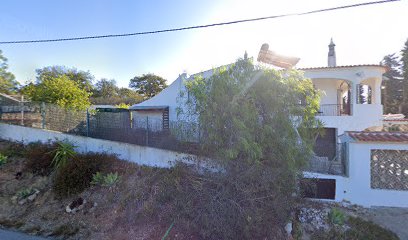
[{"x": 362, "y": 35}]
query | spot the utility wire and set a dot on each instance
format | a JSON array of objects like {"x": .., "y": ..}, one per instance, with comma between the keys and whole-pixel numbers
[{"x": 198, "y": 26}]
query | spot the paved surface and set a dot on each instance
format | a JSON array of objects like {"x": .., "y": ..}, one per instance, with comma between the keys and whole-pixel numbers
[
  {"x": 395, "y": 219},
  {"x": 10, "y": 235}
]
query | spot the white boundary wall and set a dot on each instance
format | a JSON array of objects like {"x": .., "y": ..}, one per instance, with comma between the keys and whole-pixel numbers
[
  {"x": 133, "y": 153},
  {"x": 357, "y": 187}
]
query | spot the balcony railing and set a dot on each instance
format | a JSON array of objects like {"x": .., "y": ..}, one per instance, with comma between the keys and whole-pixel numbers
[{"x": 335, "y": 110}]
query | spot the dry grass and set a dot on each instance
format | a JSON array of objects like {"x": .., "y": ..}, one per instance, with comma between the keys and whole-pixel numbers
[{"x": 117, "y": 212}]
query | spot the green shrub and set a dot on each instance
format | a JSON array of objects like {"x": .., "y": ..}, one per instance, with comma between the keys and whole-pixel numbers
[
  {"x": 107, "y": 180},
  {"x": 97, "y": 179},
  {"x": 111, "y": 179},
  {"x": 77, "y": 174},
  {"x": 24, "y": 193},
  {"x": 3, "y": 159},
  {"x": 39, "y": 158},
  {"x": 64, "y": 152},
  {"x": 14, "y": 149},
  {"x": 336, "y": 216}
]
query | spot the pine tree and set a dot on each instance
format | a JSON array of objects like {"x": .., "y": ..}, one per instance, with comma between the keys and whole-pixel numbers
[
  {"x": 392, "y": 84},
  {"x": 404, "y": 60}
]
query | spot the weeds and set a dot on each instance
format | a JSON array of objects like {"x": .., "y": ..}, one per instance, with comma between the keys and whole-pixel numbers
[
  {"x": 11, "y": 223},
  {"x": 77, "y": 174},
  {"x": 65, "y": 230},
  {"x": 107, "y": 180},
  {"x": 337, "y": 217},
  {"x": 16, "y": 149},
  {"x": 25, "y": 193},
  {"x": 39, "y": 158},
  {"x": 97, "y": 179},
  {"x": 219, "y": 207},
  {"x": 3, "y": 159},
  {"x": 64, "y": 152},
  {"x": 358, "y": 229},
  {"x": 362, "y": 229}
]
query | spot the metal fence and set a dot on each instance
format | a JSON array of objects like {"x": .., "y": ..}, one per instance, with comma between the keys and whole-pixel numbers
[{"x": 110, "y": 124}]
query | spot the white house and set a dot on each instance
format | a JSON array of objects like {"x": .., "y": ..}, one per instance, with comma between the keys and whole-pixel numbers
[
  {"x": 342, "y": 107},
  {"x": 366, "y": 168}
]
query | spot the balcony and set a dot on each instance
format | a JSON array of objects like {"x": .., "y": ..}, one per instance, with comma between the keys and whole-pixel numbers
[{"x": 334, "y": 110}]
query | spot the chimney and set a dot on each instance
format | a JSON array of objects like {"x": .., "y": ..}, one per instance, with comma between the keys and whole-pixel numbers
[{"x": 331, "y": 60}]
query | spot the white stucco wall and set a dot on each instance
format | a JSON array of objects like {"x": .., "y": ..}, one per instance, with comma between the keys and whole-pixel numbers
[
  {"x": 326, "y": 79},
  {"x": 167, "y": 97},
  {"x": 133, "y": 153},
  {"x": 364, "y": 116},
  {"x": 356, "y": 187},
  {"x": 153, "y": 118},
  {"x": 170, "y": 96},
  {"x": 354, "y": 74},
  {"x": 328, "y": 88},
  {"x": 360, "y": 168}
]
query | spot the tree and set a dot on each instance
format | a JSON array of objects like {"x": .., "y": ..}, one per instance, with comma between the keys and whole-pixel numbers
[
  {"x": 148, "y": 85},
  {"x": 107, "y": 92},
  {"x": 8, "y": 84},
  {"x": 106, "y": 88},
  {"x": 362, "y": 95},
  {"x": 404, "y": 61},
  {"x": 392, "y": 84},
  {"x": 59, "y": 90},
  {"x": 82, "y": 78},
  {"x": 130, "y": 96},
  {"x": 258, "y": 126}
]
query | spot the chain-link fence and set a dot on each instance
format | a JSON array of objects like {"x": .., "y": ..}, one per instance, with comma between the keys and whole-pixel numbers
[{"x": 111, "y": 124}]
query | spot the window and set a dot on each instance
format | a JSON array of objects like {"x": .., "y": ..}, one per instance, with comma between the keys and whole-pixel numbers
[{"x": 318, "y": 188}]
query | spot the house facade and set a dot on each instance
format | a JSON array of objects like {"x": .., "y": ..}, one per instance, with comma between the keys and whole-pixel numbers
[
  {"x": 351, "y": 162},
  {"x": 350, "y": 99}
]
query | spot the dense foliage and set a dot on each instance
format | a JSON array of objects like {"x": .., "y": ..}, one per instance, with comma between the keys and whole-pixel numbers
[
  {"x": 39, "y": 158},
  {"x": 107, "y": 92},
  {"x": 8, "y": 83},
  {"x": 61, "y": 91},
  {"x": 254, "y": 115},
  {"x": 148, "y": 85},
  {"x": 404, "y": 61},
  {"x": 256, "y": 125},
  {"x": 82, "y": 78},
  {"x": 392, "y": 92},
  {"x": 77, "y": 174}
]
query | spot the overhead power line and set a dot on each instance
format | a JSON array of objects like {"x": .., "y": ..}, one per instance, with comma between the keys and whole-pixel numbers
[{"x": 198, "y": 26}]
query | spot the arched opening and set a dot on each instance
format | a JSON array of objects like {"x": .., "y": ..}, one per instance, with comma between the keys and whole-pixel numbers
[
  {"x": 344, "y": 97},
  {"x": 364, "y": 94},
  {"x": 335, "y": 97}
]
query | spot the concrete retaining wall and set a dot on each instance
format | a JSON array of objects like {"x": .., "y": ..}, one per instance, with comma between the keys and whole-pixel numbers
[{"x": 138, "y": 154}]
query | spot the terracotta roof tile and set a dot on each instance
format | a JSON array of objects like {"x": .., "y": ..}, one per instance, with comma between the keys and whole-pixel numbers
[
  {"x": 379, "y": 136},
  {"x": 396, "y": 120},
  {"x": 345, "y": 66}
]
